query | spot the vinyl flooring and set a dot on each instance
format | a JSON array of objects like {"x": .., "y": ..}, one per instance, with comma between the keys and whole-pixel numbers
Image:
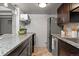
[{"x": 41, "y": 52}]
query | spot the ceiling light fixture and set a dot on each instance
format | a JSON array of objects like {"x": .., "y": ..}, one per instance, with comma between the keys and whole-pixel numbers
[
  {"x": 6, "y": 4},
  {"x": 42, "y": 5}
]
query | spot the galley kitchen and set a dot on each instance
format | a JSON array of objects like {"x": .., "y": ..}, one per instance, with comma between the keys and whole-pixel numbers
[{"x": 39, "y": 29}]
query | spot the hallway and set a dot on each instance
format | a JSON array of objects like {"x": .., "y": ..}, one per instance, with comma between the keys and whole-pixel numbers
[{"x": 41, "y": 52}]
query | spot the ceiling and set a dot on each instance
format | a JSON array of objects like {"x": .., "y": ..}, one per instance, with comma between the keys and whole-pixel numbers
[{"x": 33, "y": 8}]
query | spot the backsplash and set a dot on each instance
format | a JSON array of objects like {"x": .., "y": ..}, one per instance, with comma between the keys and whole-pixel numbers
[
  {"x": 69, "y": 26},
  {"x": 71, "y": 29}
]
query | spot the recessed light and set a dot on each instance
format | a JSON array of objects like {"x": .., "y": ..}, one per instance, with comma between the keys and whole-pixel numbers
[
  {"x": 6, "y": 4},
  {"x": 42, "y": 5}
]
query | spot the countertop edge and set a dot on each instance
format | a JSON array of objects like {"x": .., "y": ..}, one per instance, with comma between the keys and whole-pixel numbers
[
  {"x": 18, "y": 45},
  {"x": 67, "y": 41}
]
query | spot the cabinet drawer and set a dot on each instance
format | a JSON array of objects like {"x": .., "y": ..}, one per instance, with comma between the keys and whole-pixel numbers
[
  {"x": 25, "y": 51},
  {"x": 19, "y": 49},
  {"x": 73, "y": 6}
]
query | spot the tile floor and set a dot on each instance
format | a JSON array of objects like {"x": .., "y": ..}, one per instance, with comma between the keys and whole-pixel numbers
[{"x": 41, "y": 52}]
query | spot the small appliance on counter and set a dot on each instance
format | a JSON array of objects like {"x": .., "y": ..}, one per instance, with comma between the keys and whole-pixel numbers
[
  {"x": 25, "y": 18},
  {"x": 78, "y": 33},
  {"x": 74, "y": 34},
  {"x": 74, "y": 31},
  {"x": 62, "y": 33},
  {"x": 22, "y": 31}
]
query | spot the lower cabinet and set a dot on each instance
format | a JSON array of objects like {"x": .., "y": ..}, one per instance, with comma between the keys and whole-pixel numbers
[
  {"x": 30, "y": 48},
  {"x": 65, "y": 49},
  {"x": 25, "y": 52},
  {"x": 24, "y": 49},
  {"x": 55, "y": 46},
  {"x": 62, "y": 48}
]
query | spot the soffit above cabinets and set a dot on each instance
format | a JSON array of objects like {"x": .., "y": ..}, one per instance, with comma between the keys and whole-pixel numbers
[
  {"x": 76, "y": 10},
  {"x": 33, "y": 8},
  {"x": 5, "y": 13},
  {"x": 2, "y": 8}
]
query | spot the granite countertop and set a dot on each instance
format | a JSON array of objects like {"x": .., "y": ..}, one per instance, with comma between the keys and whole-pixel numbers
[
  {"x": 8, "y": 42},
  {"x": 72, "y": 41}
]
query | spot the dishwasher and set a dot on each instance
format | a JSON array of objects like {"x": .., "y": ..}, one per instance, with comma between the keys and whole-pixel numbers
[{"x": 54, "y": 46}]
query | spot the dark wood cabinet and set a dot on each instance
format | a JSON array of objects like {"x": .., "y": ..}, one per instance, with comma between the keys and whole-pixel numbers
[
  {"x": 59, "y": 16},
  {"x": 74, "y": 6},
  {"x": 63, "y": 14},
  {"x": 17, "y": 51},
  {"x": 27, "y": 51},
  {"x": 66, "y": 13},
  {"x": 33, "y": 41},
  {"x": 62, "y": 49},
  {"x": 65, "y": 49},
  {"x": 24, "y": 49},
  {"x": 74, "y": 14}
]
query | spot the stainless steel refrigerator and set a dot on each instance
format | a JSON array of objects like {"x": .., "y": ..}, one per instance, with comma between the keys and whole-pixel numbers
[{"x": 52, "y": 28}]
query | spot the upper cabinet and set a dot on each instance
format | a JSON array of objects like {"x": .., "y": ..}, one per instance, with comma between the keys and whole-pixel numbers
[
  {"x": 68, "y": 12},
  {"x": 66, "y": 9},
  {"x": 74, "y": 7},
  {"x": 59, "y": 15},
  {"x": 63, "y": 14},
  {"x": 74, "y": 14}
]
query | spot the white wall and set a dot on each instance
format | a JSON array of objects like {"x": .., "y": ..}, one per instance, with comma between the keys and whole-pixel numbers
[
  {"x": 6, "y": 26},
  {"x": 69, "y": 26},
  {"x": 38, "y": 25}
]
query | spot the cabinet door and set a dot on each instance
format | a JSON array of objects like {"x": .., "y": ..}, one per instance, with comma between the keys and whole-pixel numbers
[
  {"x": 62, "y": 48},
  {"x": 27, "y": 51},
  {"x": 18, "y": 50},
  {"x": 33, "y": 41},
  {"x": 24, "y": 52},
  {"x": 66, "y": 49},
  {"x": 73, "y": 6},
  {"x": 59, "y": 16},
  {"x": 63, "y": 13},
  {"x": 24, "y": 49},
  {"x": 30, "y": 47},
  {"x": 66, "y": 13}
]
